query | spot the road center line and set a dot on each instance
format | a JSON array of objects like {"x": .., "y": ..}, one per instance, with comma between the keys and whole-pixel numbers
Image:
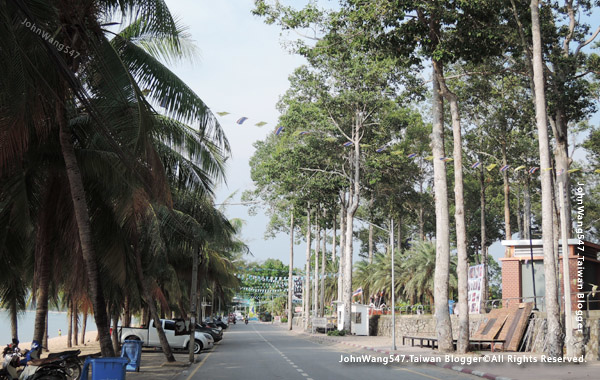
[{"x": 276, "y": 349}]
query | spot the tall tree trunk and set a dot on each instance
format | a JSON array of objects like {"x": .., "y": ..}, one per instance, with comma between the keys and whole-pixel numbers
[
  {"x": 342, "y": 247},
  {"x": 307, "y": 305},
  {"x": 84, "y": 326},
  {"x": 75, "y": 314},
  {"x": 323, "y": 264},
  {"x": 462, "y": 264},
  {"x": 519, "y": 211},
  {"x": 334, "y": 235},
  {"x": 127, "y": 312},
  {"x": 14, "y": 322},
  {"x": 317, "y": 247},
  {"x": 399, "y": 234},
  {"x": 42, "y": 273},
  {"x": 527, "y": 209},
  {"x": 115, "y": 332},
  {"x": 70, "y": 325},
  {"x": 353, "y": 202},
  {"x": 554, "y": 332},
  {"x": 45, "y": 339},
  {"x": 164, "y": 343},
  {"x": 442, "y": 240},
  {"x": 484, "y": 248},
  {"x": 370, "y": 243},
  {"x": 421, "y": 214},
  {"x": 507, "y": 230},
  {"x": 291, "y": 273},
  {"x": 85, "y": 232}
]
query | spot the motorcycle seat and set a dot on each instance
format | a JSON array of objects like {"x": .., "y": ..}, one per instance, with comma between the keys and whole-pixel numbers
[
  {"x": 64, "y": 354},
  {"x": 40, "y": 362}
]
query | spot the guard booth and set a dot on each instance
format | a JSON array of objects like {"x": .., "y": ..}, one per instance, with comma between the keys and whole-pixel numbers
[
  {"x": 359, "y": 320},
  {"x": 340, "y": 314}
]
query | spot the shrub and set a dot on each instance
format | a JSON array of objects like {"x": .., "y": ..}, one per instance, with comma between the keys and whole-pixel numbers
[{"x": 336, "y": 333}]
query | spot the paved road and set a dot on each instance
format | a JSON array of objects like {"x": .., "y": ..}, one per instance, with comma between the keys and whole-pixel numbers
[{"x": 262, "y": 352}]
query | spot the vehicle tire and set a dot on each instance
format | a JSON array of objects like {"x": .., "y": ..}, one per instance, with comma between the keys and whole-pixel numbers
[
  {"x": 198, "y": 346},
  {"x": 73, "y": 369},
  {"x": 49, "y": 375}
]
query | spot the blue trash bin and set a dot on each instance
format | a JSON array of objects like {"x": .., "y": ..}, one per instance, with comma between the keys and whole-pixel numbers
[
  {"x": 451, "y": 306},
  {"x": 105, "y": 368},
  {"x": 132, "y": 350}
]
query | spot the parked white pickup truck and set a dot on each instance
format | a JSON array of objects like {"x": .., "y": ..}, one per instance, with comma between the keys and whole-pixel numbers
[{"x": 149, "y": 336}]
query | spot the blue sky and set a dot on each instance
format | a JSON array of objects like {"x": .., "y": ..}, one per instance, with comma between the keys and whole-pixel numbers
[{"x": 243, "y": 69}]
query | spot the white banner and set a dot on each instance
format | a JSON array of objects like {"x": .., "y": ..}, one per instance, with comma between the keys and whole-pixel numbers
[{"x": 475, "y": 284}]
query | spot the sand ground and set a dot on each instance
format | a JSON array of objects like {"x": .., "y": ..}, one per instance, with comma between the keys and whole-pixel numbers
[{"x": 59, "y": 344}]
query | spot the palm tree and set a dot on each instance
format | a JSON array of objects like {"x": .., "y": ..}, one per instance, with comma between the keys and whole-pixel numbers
[{"x": 417, "y": 270}]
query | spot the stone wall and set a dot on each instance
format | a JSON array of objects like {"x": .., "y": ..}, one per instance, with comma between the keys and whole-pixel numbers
[
  {"x": 417, "y": 325},
  {"x": 424, "y": 325}
]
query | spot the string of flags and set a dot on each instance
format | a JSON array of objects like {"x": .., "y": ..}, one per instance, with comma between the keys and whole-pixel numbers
[
  {"x": 242, "y": 120},
  {"x": 282, "y": 280}
]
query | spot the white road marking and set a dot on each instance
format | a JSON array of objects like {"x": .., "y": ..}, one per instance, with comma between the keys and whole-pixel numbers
[{"x": 282, "y": 355}]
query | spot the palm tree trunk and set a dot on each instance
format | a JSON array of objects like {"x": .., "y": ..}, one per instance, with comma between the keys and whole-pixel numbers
[
  {"x": 75, "y": 314},
  {"x": 70, "y": 326},
  {"x": 14, "y": 322},
  {"x": 554, "y": 333},
  {"x": 153, "y": 312},
  {"x": 45, "y": 339},
  {"x": 442, "y": 240},
  {"x": 84, "y": 326},
  {"x": 85, "y": 233},
  {"x": 115, "y": 333},
  {"x": 291, "y": 273}
]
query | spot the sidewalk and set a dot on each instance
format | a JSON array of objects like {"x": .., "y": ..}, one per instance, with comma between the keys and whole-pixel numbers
[
  {"x": 485, "y": 364},
  {"x": 153, "y": 365}
]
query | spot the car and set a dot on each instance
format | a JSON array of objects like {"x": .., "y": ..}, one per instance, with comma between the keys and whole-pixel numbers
[
  {"x": 149, "y": 336},
  {"x": 216, "y": 334}
]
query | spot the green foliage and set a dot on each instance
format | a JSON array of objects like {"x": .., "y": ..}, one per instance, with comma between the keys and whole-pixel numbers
[{"x": 337, "y": 332}]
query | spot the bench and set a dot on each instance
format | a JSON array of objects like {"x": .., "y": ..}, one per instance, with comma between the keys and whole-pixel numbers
[{"x": 425, "y": 341}]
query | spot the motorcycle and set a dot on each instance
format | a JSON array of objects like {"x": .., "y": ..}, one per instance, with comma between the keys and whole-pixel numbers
[
  {"x": 35, "y": 368},
  {"x": 246, "y": 321}
]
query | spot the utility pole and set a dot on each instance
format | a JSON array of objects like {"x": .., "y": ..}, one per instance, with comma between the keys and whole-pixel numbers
[{"x": 393, "y": 291}]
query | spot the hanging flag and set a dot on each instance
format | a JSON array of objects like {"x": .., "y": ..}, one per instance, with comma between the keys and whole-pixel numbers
[
  {"x": 348, "y": 143},
  {"x": 261, "y": 123},
  {"x": 475, "y": 165},
  {"x": 597, "y": 171},
  {"x": 357, "y": 292},
  {"x": 303, "y": 133},
  {"x": 223, "y": 113},
  {"x": 381, "y": 149},
  {"x": 490, "y": 167},
  {"x": 504, "y": 168},
  {"x": 546, "y": 169},
  {"x": 241, "y": 120},
  {"x": 573, "y": 170},
  {"x": 278, "y": 130},
  {"x": 446, "y": 159},
  {"x": 429, "y": 158},
  {"x": 560, "y": 172},
  {"x": 412, "y": 155},
  {"x": 520, "y": 167},
  {"x": 533, "y": 170}
]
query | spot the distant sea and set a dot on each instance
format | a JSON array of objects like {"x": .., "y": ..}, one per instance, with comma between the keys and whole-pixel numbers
[{"x": 56, "y": 320}]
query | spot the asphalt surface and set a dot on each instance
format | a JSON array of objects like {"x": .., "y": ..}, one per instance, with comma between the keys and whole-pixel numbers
[{"x": 260, "y": 351}]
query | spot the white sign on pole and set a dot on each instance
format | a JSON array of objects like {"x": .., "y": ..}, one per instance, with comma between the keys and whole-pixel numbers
[{"x": 475, "y": 285}]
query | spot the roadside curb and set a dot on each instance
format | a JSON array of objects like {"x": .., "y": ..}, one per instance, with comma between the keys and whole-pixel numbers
[{"x": 481, "y": 374}]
